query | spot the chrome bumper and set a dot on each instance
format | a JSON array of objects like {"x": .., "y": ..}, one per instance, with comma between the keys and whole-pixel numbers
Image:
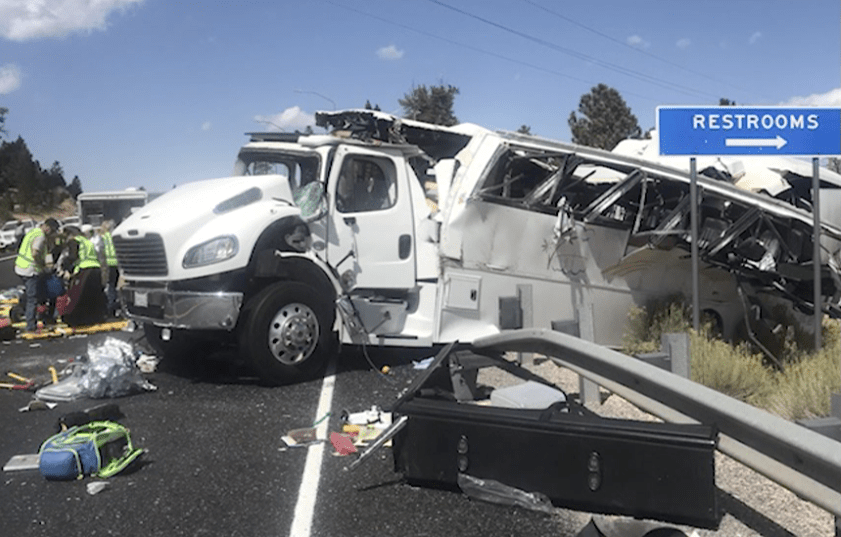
[{"x": 182, "y": 309}]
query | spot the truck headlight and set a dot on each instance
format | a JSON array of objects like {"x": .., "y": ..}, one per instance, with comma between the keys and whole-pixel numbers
[{"x": 212, "y": 251}]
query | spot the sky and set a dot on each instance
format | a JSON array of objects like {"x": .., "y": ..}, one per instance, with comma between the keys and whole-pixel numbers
[{"x": 155, "y": 93}]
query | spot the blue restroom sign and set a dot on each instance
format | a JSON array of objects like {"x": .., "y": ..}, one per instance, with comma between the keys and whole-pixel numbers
[{"x": 733, "y": 130}]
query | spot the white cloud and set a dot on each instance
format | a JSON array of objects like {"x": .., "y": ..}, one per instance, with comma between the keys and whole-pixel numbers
[
  {"x": 389, "y": 53},
  {"x": 638, "y": 42},
  {"x": 9, "y": 78},
  {"x": 206, "y": 126},
  {"x": 290, "y": 120},
  {"x": 22, "y": 20},
  {"x": 832, "y": 98},
  {"x": 683, "y": 43},
  {"x": 756, "y": 36}
]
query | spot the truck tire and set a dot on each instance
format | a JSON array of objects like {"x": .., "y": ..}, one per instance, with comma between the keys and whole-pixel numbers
[{"x": 288, "y": 333}]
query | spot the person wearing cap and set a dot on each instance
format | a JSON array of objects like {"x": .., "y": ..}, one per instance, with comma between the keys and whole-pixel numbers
[
  {"x": 31, "y": 266},
  {"x": 87, "y": 300}
]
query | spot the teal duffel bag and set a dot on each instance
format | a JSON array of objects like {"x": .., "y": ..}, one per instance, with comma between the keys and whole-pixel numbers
[{"x": 98, "y": 448}]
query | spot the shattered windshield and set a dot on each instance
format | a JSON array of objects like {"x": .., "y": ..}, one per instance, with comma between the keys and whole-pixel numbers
[{"x": 300, "y": 170}]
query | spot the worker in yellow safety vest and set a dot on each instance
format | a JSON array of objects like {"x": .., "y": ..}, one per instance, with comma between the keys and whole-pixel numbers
[
  {"x": 31, "y": 266},
  {"x": 86, "y": 304},
  {"x": 108, "y": 260}
]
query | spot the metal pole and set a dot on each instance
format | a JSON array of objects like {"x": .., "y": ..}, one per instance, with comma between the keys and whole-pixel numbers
[
  {"x": 816, "y": 251},
  {"x": 693, "y": 211}
]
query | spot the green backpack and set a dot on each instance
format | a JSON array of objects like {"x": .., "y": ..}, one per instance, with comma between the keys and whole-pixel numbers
[{"x": 98, "y": 448}]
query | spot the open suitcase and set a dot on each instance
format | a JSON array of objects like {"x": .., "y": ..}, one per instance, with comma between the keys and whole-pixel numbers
[{"x": 531, "y": 440}]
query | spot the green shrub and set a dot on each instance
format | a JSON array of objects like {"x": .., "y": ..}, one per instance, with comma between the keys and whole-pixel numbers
[
  {"x": 646, "y": 325},
  {"x": 800, "y": 388},
  {"x": 804, "y": 388},
  {"x": 733, "y": 371}
]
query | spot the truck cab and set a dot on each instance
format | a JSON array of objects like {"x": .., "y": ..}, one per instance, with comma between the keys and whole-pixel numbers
[{"x": 260, "y": 258}]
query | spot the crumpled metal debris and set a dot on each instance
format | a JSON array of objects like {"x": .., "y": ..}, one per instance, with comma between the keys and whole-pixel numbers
[{"x": 108, "y": 370}]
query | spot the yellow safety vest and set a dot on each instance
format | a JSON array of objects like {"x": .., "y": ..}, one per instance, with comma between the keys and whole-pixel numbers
[
  {"x": 25, "y": 257},
  {"x": 110, "y": 251},
  {"x": 87, "y": 254}
]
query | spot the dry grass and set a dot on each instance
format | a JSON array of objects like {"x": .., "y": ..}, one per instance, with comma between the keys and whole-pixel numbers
[{"x": 800, "y": 389}]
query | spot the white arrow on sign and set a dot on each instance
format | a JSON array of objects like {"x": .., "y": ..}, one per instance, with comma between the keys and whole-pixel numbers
[{"x": 777, "y": 142}]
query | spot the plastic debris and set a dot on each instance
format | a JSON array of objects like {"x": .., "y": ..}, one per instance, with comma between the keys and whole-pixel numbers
[
  {"x": 29, "y": 461},
  {"x": 342, "y": 443},
  {"x": 147, "y": 363},
  {"x": 37, "y": 404},
  {"x": 108, "y": 370},
  {"x": 489, "y": 490},
  {"x": 423, "y": 364},
  {"x": 97, "y": 486},
  {"x": 374, "y": 415},
  {"x": 301, "y": 438}
]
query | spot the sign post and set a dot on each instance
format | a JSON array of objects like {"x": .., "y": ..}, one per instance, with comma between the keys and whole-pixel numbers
[{"x": 733, "y": 130}]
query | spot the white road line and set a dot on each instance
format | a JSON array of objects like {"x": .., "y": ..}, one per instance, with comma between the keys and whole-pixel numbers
[{"x": 307, "y": 494}]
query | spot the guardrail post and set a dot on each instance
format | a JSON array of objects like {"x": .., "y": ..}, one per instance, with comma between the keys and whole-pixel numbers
[
  {"x": 588, "y": 391},
  {"x": 676, "y": 345},
  {"x": 673, "y": 355},
  {"x": 524, "y": 293}
]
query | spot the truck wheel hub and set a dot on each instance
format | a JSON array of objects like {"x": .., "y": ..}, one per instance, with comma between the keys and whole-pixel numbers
[{"x": 293, "y": 334}]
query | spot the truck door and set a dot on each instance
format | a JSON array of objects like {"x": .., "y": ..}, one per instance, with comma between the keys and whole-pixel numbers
[{"x": 371, "y": 224}]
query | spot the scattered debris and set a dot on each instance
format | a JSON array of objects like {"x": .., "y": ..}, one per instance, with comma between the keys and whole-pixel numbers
[
  {"x": 97, "y": 486},
  {"x": 342, "y": 443},
  {"x": 108, "y": 370},
  {"x": 489, "y": 490},
  {"x": 147, "y": 363},
  {"x": 29, "y": 461},
  {"x": 301, "y": 437},
  {"x": 423, "y": 364},
  {"x": 37, "y": 404}
]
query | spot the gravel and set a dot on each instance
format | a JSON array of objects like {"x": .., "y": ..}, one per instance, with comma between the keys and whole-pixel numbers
[{"x": 752, "y": 504}]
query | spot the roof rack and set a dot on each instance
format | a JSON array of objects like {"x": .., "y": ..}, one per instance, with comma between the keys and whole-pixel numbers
[{"x": 274, "y": 136}]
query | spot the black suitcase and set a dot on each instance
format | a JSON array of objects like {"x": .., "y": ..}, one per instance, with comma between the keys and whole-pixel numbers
[{"x": 574, "y": 457}]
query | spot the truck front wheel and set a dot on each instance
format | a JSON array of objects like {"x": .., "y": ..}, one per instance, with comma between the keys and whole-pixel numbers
[{"x": 288, "y": 332}]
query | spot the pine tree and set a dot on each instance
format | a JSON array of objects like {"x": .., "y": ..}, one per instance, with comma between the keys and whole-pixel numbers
[{"x": 606, "y": 120}]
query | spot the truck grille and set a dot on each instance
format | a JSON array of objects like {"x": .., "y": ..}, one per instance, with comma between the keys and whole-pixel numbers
[{"x": 141, "y": 257}]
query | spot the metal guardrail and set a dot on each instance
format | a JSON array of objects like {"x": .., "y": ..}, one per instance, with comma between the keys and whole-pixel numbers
[{"x": 805, "y": 462}]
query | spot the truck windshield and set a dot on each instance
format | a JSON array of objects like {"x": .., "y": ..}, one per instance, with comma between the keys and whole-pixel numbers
[{"x": 300, "y": 170}]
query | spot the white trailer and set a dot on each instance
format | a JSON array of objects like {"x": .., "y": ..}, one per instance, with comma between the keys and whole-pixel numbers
[{"x": 94, "y": 208}]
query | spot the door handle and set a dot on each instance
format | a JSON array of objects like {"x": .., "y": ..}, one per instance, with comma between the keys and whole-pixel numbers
[{"x": 404, "y": 246}]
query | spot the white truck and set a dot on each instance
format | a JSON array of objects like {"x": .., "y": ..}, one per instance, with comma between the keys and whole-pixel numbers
[{"x": 393, "y": 232}]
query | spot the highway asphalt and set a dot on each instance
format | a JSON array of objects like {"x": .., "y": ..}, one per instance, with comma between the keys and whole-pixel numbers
[{"x": 215, "y": 463}]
